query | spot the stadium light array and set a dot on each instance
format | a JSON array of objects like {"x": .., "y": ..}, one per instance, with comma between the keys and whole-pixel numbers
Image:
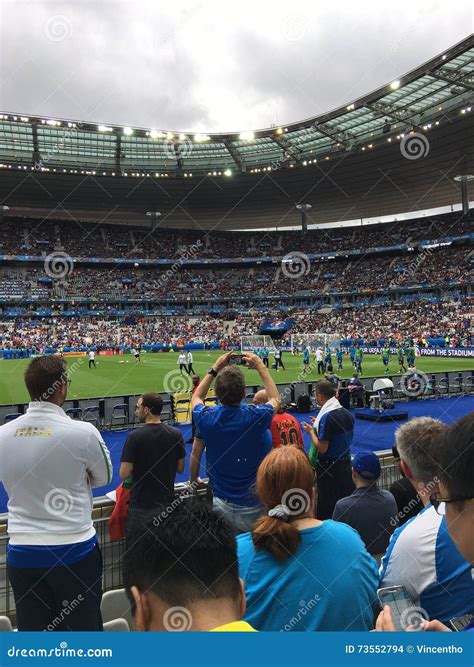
[
  {"x": 127, "y": 131},
  {"x": 395, "y": 84},
  {"x": 104, "y": 128},
  {"x": 200, "y": 138},
  {"x": 228, "y": 172}
]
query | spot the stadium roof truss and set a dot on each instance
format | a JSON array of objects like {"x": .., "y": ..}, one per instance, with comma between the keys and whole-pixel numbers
[{"x": 432, "y": 94}]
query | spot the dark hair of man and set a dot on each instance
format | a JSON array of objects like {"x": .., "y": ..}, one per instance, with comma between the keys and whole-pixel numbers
[
  {"x": 185, "y": 555},
  {"x": 230, "y": 386},
  {"x": 44, "y": 376},
  {"x": 153, "y": 402},
  {"x": 326, "y": 389},
  {"x": 454, "y": 452}
]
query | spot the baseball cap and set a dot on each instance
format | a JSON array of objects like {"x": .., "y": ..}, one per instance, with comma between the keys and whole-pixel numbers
[{"x": 367, "y": 465}]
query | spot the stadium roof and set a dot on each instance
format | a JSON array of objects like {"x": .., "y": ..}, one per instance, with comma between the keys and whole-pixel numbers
[{"x": 436, "y": 93}]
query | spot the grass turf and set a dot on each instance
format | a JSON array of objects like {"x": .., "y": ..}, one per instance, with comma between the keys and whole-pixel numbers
[{"x": 121, "y": 375}]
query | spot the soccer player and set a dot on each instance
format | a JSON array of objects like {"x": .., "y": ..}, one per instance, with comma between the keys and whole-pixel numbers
[
  {"x": 352, "y": 351},
  {"x": 319, "y": 360},
  {"x": 306, "y": 359},
  {"x": 91, "y": 356},
  {"x": 136, "y": 354},
  {"x": 358, "y": 358},
  {"x": 265, "y": 355},
  {"x": 190, "y": 363},
  {"x": 278, "y": 359},
  {"x": 411, "y": 355},
  {"x": 386, "y": 357},
  {"x": 339, "y": 358},
  {"x": 401, "y": 358},
  {"x": 328, "y": 360},
  {"x": 182, "y": 362}
]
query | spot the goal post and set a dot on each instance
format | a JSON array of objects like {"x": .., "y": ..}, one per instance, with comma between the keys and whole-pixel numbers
[
  {"x": 314, "y": 341},
  {"x": 252, "y": 343}
]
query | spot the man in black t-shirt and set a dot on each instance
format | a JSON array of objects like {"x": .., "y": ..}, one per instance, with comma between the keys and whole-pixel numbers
[{"x": 151, "y": 456}]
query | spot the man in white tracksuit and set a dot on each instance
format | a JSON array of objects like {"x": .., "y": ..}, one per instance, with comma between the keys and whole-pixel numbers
[{"x": 49, "y": 465}]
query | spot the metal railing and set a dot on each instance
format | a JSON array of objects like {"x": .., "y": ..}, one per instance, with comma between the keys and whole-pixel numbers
[{"x": 112, "y": 552}]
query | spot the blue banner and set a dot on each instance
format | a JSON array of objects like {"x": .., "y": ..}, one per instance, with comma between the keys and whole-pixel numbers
[{"x": 318, "y": 649}]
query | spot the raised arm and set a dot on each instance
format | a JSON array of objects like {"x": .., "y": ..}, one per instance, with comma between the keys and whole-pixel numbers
[{"x": 253, "y": 361}]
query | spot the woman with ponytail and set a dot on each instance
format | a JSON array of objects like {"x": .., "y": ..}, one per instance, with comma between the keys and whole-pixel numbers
[{"x": 301, "y": 573}]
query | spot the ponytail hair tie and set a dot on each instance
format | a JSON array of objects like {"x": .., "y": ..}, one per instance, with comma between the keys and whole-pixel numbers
[{"x": 280, "y": 512}]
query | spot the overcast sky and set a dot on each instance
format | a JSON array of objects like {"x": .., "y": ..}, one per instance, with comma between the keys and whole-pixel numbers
[{"x": 205, "y": 65}]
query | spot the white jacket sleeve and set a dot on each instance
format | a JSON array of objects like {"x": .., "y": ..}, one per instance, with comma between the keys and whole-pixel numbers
[{"x": 99, "y": 465}]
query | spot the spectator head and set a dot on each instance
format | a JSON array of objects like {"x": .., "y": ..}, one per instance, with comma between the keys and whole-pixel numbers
[
  {"x": 181, "y": 570},
  {"x": 325, "y": 390},
  {"x": 230, "y": 386},
  {"x": 415, "y": 442},
  {"x": 46, "y": 379},
  {"x": 195, "y": 380},
  {"x": 260, "y": 397},
  {"x": 149, "y": 406},
  {"x": 365, "y": 469},
  {"x": 286, "y": 488},
  {"x": 455, "y": 455}
]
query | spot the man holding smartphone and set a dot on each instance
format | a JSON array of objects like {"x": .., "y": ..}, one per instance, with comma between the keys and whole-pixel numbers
[{"x": 235, "y": 436}]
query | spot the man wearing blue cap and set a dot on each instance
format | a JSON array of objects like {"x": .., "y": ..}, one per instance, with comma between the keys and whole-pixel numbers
[{"x": 369, "y": 510}]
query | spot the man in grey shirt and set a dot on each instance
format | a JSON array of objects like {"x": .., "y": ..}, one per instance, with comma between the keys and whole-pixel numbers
[{"x": 369, "y": 510}]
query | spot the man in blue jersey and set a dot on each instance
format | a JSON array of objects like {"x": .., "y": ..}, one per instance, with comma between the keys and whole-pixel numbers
[
  {"x": 328, "y": 360},
  {"x": 306, "y": 367},
  {"x": 352, "y": 351},
  {"x": 422, "y": 555},
  {"x": 331, "y": 435},
  {"x": 339, "y": 358},
  {"x": 236, "y": 437}
]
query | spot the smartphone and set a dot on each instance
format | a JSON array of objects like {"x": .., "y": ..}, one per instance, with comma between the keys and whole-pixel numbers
[
  {"x": 460, "y": 623},
  {"x": 404, "y": 611},
  {"x": 237, "y": 359}
]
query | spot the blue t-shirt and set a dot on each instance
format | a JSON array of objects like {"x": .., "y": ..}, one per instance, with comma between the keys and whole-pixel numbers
[
  {"x": 237, "y": 441},
  {"x": 329, "y": 584},
  {"x": 306, "y": 355},
  {"x": 336, "y": 426}
]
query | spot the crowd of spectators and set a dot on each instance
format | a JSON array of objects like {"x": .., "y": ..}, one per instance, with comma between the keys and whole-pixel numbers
[
  {"x": 441, "y": 268},
  {"x": 370, "y": 323},
  {"x": 25, "y": 236}
]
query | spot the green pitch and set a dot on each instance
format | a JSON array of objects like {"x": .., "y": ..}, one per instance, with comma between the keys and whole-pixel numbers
[{"x": 121, "y": 375}]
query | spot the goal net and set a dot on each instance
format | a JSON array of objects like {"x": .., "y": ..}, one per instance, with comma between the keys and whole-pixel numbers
[
  {"x": 252, "y": 343},
  {"x": 315, "y": 340}
]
